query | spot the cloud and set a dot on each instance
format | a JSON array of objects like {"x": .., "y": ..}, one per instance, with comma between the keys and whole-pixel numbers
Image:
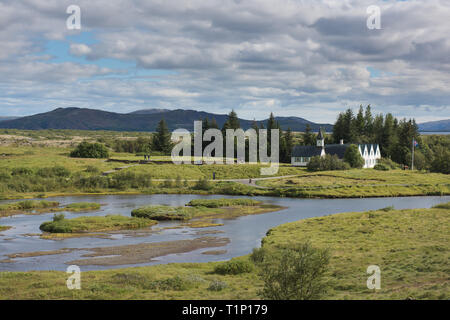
[{"x": 306, "y": 58}]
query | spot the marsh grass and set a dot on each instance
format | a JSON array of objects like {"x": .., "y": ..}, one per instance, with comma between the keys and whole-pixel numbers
[
  {"x": 94, "y": 224},
  {"x": 410, "y": 246}
]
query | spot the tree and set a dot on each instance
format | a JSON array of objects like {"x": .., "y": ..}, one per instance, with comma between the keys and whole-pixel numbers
[
  {"x": 368, "y": 121},
  {"x": 161, "y": 139},
  {"x": 232, "y": 122},
  {"x": 326, "y": 163},
  {"x": 360, "y": 123},
  {"x": 293, "y": 273},
  {"x": 441, "y": 163},
  {"x": 309, "y": 139},
  {"x": 289, "y": 144},
  {"x": 353, "y": 157},
  {"x": 90, "y": 150}
]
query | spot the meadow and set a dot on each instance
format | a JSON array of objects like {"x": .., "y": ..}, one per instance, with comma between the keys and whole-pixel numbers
[
  {"x": 409, "y": 246},
  {"x": 36, "y": 164}
]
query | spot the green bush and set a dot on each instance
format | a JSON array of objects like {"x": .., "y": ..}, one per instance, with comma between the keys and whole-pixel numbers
[
  {"x": 293, "y": 273},
  {"x": 442, "y": 206},
  {"x": 217, "y": 285},
  {"x": 162, "y": 212},
  {"x": 353, "y": 157},
  {"x": 234, "y": 267},
  {"x": 49, "y": 172},
  {"x": 219, "y": 203},
  {"x": 381, "y": 167},
  {"x": 90, "y": 150},
  {"x": 203, "y": 184},
  {"x": 326, "y": 163}
]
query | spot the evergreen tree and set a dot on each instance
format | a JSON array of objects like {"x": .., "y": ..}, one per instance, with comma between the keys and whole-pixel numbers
[
  {"x": 309, "y": 139},
  {"x": 368, "y": 121},
  {"x": 161, "y": 139},
  {"x": 360, "y": 124}
]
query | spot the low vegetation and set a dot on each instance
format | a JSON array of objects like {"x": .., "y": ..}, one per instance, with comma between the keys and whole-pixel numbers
[
  {"x": 26, "y": 205},
  {"x": 90, "y": 150},
  {"x": 162, "y": 212},
  {"x": 218, "y": 203},
  {"x": 93, "y": 224},
  {"x": 82, "y": 206},
  {"x": 327, "y": 163},
  {"x": 411, "y": 247}
]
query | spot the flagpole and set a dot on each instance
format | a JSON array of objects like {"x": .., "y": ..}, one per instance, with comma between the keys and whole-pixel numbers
[{"x": 412, "y": 160}]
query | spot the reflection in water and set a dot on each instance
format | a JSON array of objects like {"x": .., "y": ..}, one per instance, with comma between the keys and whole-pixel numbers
[{"x": 245, "y": 233}]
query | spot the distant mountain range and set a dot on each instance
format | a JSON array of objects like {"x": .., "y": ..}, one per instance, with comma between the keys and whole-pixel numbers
[
  {"x": 141, "y": 120},
  {"x": 436, "y": 126},
  {"x": 7, "y": 118}
]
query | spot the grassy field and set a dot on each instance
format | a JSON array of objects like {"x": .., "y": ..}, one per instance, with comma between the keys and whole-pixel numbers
[
  {"x": 37, "y": 171},
  {"x": 94, "y": 224},
  {"x": 411, "y": 247}
]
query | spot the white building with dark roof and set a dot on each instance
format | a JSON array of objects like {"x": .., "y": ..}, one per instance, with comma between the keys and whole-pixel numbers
[{"x": 301, "y": 155}]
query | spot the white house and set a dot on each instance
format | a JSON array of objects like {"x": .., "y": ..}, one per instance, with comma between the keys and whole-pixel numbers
[{"x": 301, "y": 155}]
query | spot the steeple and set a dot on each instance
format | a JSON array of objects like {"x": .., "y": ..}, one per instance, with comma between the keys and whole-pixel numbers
[{"x": 320, "y": 139}]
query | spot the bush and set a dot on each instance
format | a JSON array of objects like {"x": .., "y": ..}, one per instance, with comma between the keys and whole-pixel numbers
[
  {"x": 381, "y": 167},
  {"x": 442, "y": 206},
  {"x": 389, "y": 163},
  {"x": 203, "y": 184},
  {"x": 217, "y": 285},
  {"x": 50, "y": 172},
  {"x": 293, "y": 273},
  {"x": 329, "y": 162},
  {"x": 234, "y": 267},
  {"x": 90, "y": 150},
  {"x": 353, "y": 157},
  {"x": 161, "y": 212},
  {"x": 219, "y": 203},
  {"x": 22, "y": 172}
]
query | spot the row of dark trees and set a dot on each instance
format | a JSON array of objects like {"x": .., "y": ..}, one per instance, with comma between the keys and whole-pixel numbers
[
  {"x": 394, "y": 137},
  {"x": 286, "y": 142}
]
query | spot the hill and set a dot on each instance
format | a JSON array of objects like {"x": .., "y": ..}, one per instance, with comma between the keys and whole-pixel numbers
[
  {"x": 437, "y": 126},
  {"x": 142, "y": 120}
]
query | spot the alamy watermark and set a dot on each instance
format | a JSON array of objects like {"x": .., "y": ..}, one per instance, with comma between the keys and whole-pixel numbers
[
  {"x": 374, "y": 280},
  {"x": 233, "y": 138},
  {"x": 74, "y": 20},
  {"x": 374, "y": 19},
  {"x": 74, "y": 281}
]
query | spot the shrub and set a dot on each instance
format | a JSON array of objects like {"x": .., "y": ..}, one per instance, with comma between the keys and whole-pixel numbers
[
  {"x": 442, "y": 206},
  {"x": 381, "y": 167},
  {"x": 389, "y": 163},
  {"x": 328, "y": 162},
  {"x": 234, "y": 267},
  {"x": 162, "y": 212},
  {"x": 217, "y": 285},
  {"x": 219, "y": 203},
  {"x": 58, "y": 217},
  {"x": 21, "y": 172},
  {"x": 50, "y": 172},
  {"x": 203, "y": 184},
  {"x": 294, "y": 273},
  {"x": 90, "y": 150},
  {"x": 353, "y": 157}
]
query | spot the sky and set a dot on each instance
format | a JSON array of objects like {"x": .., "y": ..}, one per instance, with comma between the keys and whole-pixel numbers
[{"x": 305, "y": 58}]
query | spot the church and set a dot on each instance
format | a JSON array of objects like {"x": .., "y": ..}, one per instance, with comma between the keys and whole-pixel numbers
[{"x": 301, "y": 155}]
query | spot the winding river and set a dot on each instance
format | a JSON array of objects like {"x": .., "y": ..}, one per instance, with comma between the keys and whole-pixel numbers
[{"x": 244, "y": 233}]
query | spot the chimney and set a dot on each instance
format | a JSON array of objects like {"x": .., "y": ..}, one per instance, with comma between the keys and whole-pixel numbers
[{"x": 342, "y": 141}]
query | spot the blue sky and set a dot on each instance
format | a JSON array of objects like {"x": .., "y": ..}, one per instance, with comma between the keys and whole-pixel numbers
[{"x": 303, "y": 58}]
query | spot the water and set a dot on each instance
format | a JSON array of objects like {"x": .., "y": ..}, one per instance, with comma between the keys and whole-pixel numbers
[{"x": 245, "y": 233}]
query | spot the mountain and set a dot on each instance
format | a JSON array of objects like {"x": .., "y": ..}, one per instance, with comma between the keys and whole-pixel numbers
[
  {"x": 91, "y": 119},
  {"x": 7, "y": 118},
  {"x": 436, "y": 126},
  {"x": 149, "y": 111}
]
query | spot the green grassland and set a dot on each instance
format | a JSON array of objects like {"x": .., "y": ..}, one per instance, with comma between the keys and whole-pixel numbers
[
  {"x": 94, "y": 224},
  {"x": 42, "y": 206},
  {"x": 411, "y": 247},
  {"x": 29, "y": 172}
]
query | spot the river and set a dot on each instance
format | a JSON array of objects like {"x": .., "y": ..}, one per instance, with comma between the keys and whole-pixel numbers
[{"x": 244, "y": 233}]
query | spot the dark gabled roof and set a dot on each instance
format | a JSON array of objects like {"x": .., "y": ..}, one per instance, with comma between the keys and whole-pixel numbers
[
  {"x": 306, "y": 151},
  {"x": 336, "y": 149},
  {"x": 374, "y": 146}
]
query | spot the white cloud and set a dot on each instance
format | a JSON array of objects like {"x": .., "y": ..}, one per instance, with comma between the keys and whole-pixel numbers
[{"x": 306, "y": 58}]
